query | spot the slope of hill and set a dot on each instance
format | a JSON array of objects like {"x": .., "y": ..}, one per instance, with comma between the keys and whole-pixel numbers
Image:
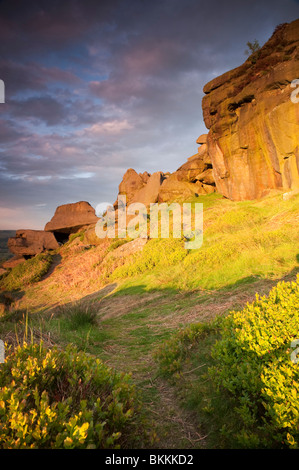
[{"x": 122, "y": 308}]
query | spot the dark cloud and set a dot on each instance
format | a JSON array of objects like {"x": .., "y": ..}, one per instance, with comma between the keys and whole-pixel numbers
[
  {"x": 94, "y": 87},
  {"x": 8, "y": 132},
  {"x": 44, "y": 108},
  {"x": 34, "y": 77}
]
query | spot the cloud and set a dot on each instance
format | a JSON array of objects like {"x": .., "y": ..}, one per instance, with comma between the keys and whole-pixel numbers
[
  {"x": 108, "y": 127},
  {"x": 44, "y": 108},
  {"x": 8, "y": 132},
  {"x": 23, "y": 76}
]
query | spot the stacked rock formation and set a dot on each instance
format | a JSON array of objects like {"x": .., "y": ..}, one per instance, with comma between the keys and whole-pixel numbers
[
  {"x": 132, "y": 182},
  {"x": 192, "y": 178},
  {"x": 31, "y": 242},
  {"x": 139, "y": 187},
  {"x": 253, "y": 138}
]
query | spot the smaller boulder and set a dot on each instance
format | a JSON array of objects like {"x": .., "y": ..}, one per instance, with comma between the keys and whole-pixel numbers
[
  {"x": 190, "y": 169},
  {"x": 31, "y": 242},
  {"x": 173, "y": 189},
  {"x": 206, "y": 177},
  {"x": 202, "y": 139}
]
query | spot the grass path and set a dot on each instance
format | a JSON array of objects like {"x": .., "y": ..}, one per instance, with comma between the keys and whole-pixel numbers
[{"x": 131, "y": 327}]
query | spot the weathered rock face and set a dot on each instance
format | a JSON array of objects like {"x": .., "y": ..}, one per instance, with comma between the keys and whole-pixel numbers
[
  {"x": 173, "y": 189},
  {"x": 132, "y": 182},
  {"x": 31, "y": 242},
  {"x": 253, "y": 138},
  {"x": 150, "y": 192},
  {"x": 192, "y": 178},
  {"x": 202, "y": 139},
  {"x": 69, "y": 218}
]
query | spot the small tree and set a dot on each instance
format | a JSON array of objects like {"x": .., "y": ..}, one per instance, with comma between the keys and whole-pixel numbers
[{"x": 252, "y": 47}]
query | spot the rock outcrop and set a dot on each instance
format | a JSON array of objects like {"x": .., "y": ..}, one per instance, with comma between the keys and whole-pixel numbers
[
  {"x": 251, "y": 148},
  {"x": 132, "y": 182},
  {"x": 69, "y": 218},
  {"x": 253, "y": 138},
  {"x": 29, "y": 243},
  {"x": 149, "y": 193},
  {"x": 173, "y": 189},
  {"x": 192, "y": 178}
]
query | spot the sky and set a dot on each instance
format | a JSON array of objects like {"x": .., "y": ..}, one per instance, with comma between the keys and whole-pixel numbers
[{"x": 95, "y": 87}]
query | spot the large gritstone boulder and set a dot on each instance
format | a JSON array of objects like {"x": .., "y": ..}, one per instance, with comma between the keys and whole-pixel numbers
[{"x": 69, "y": 218}]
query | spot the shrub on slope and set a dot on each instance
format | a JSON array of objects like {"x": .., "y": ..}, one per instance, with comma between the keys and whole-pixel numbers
[
  {"x": 64, "y": 399},
  {"x": 253, "y": 362}
]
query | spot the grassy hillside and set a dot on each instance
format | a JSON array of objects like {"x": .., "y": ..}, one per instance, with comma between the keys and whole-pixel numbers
[
  {"x": 242, "y": 242},
  {"x": 136, "y": 313}
]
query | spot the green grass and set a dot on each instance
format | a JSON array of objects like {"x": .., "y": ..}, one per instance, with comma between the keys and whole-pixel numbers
[
  {"x": 78, "y": 316},
  {"x": 73, "y": 236},
  {"x": 241, "y": 241},
  {"x": 26, "y": 273},
  {"x": 185, "y": 360},
  {"x": 117, "y": 242},
  {"x": 247, "y": 247}
]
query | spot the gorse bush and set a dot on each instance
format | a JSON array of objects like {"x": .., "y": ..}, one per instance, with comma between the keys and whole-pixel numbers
[
  {"x": 26, "y": 273},
  {"x": 248, "y": 395},
  {"x": 64, "y": 399},
  {"x": 253, "y": 363}
]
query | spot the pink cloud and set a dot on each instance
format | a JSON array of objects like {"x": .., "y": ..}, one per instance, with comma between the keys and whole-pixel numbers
[{"x": 108, "y": 127}]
